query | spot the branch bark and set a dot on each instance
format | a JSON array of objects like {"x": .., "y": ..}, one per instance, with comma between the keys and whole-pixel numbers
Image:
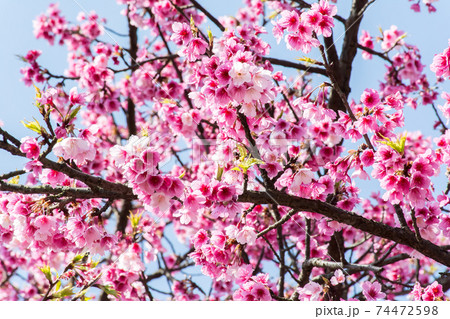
[
  {"x": 348, "y": 53},
  {"x": 379, "y": 229}
]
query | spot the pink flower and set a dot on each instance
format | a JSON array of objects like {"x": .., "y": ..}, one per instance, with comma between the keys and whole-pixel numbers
[
  {"x": 160, "y": 201},
  {"x": 45, "y": 226},
  {"x": 225, "y": 193},
  {"x": 30, "y": 147},
  {"x": 246, "y": 235},
  {"x": 432, "y": 292},
  {"x": 416, "y": 293},
  {"x": 366, "y": 40},
  {"x": 181, "y": 33},
  {"x": 200, "y": 238},
  {"x": 260, "y": 291},
  {"x": 92, "y": 235},
  {"x": 194, "y": 201},
  {"x": 311, "y": 292},
  {"x": 194, "y": 49},
  {"x": 289, "y": 20},
  {"x": 390, "y": 37},
  {"x": 240, "y": 73},
  {"x": 75, "y": 97},
  {"x": 75, "y": 149},
  {"x": 417, "y": 197},
  {"x": 218, "y": 239},
  {"x": 130, "y": 261},
  {"x": 243, "y": 274},
  {"x": 32, "y": 55},
  {"x": 223, "y": 73},
  {"x": 337, "y": 278},
  {"x": 365, "y": 124},
  {"x": 303, "y": 176},
  {"x": 370, "y": 98},
  {"x": 444, "y": 225},
  {"x": 420, "y": 180},
  {"x": 231, "y": 231},
  {"x": 367, "y": 157},
  {"x": 441, "y": 64},
  {"x": 372, "y": 291}
]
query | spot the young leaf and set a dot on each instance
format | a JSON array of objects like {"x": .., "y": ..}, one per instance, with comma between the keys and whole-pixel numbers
[
  {"x": 47, "y": 272},
  {"x": 65, "y": 292},
  {"x": 74, "y": 113},
  {"x": 219, "y": 173},
  {"x": 34, "y": 126},
  {"x": 109, "y": 290},
  {"x": 14, "y": 180}
]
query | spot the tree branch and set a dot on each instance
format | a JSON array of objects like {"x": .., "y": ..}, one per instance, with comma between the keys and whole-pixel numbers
[
  {"x": 379, "y": 229},
  {"x": 298, "y": 66},
  {"x": 209, "y": 15},
  {"x": 79, "y": 192}
]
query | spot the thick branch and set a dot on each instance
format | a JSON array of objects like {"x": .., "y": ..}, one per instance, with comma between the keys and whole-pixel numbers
[
  {"x": 209, "y": 15},
  {"x": 63, "y": 191},
  {"x": 298, "y": 66},
  {"x": 332, "y": 265},
  {"x": 395, "y": 234},
  {"x": 96, "y": 182},
  {"x": 348, "y": 53},
  {"x": 131, "y": 116}
]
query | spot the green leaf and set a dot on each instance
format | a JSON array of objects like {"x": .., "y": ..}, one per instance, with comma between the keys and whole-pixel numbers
[
  {"x": 219, "y": 173},
  {"x": 77, "y": 258},
  {"x": 134, "y": 219},
  {"x": 65, "y": 292},
  {"x": 47, "y": 272},
  {"x": 272, "y": 15},
  {"x": 398, "y": 145},
  {"x": 94, "y": 263},
  {"x": 14, "y": 180},
  {"x": 249, "y": 162},
  {"x": 58, "y": 285},
  {"x": 74, "y": 113},
  {"x": 210, "y": 36},
  {"x": 309, "y": 60},
  {"x": 38, "y": 92},
  {"x": 109, "y": 290},
  {"x": 34, "y": 126},
  {"x": 404, "y": 35},
  {"x": 242, "y": 151}
]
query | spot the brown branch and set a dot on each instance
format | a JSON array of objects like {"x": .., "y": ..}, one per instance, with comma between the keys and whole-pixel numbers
[
  {"x": 371, "y": 51},
  {"x": 137, "y": 65},
  {"x": 209, "y": 15},
  {"x": 76, "y": 192},
  {"x": 12, "y": 174},
  {"x": 379, "y": 229},
  {"x": 333, "y": 265},
  {"x": 348, "y": 53},
  {"x": 298, "y": 66},
  {"x": 281, "y": 221}
]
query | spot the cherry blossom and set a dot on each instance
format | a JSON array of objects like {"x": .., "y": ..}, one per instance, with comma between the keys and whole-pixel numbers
[{"x": 197, "y": 149}]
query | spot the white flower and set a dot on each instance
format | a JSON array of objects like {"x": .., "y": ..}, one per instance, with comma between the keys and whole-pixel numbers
[
  {"x": 246, "y": 235},
  {"x": 303, "y": 176},
  {"x": 161, "y": 201},
  {"x": 240, "y": 73},
  {"x": 75, "y": 149}
]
